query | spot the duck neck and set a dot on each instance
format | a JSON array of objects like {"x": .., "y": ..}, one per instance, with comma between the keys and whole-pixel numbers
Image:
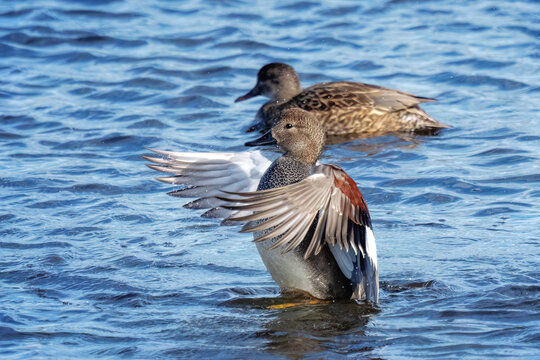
[
  {"x": 285, "y": 170},
  {"x": 306, "y": 157},
  {"x": 285, "y": 93}
]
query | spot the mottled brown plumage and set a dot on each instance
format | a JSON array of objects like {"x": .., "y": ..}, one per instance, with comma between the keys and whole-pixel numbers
[{"x": 342, "y": 107}]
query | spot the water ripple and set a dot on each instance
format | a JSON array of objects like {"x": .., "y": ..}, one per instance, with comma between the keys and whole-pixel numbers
[{"x": 98, "y": 262}]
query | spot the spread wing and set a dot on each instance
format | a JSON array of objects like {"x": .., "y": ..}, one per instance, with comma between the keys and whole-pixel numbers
[
  {"x": 332, "y": 198},
  {"x": 350, "y": 94},
  {"x": 206, "y": 175}
]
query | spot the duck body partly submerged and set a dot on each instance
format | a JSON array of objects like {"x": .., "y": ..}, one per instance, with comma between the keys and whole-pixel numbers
[
  {"x": 310, "y": 222},
  {"x": 343, "y": 108}
]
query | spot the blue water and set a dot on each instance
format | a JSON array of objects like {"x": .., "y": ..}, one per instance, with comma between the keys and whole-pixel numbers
[{"x": 98, "y": 262}]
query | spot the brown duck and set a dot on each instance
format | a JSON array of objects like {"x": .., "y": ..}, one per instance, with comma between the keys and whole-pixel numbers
[{"x": 344, "y": 108}]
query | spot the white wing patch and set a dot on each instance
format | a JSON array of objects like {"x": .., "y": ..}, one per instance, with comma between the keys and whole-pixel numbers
[
  {"x": 207, "y": 175},
  {"x": 371, "y": 247}
]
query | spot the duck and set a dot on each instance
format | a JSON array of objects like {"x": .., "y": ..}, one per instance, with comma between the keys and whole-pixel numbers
[
  {"x": 309, "y": 220},
  {"x": 344, "y": 108}
]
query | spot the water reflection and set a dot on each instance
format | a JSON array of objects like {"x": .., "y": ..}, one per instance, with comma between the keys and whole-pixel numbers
[
  {"x": 308, "y": 327},
  {"x": 373, "y": 146}
]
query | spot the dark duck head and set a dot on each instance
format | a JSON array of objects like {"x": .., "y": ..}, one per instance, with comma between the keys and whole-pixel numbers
[{"x": 277, "y": 81}]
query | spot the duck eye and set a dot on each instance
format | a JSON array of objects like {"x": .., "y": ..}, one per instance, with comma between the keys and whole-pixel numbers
[{"x": 288, "y": 126}]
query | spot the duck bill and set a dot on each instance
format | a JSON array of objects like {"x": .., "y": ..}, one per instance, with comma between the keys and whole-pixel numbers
[
  {"x": 266, "y": 139},
  {"x": 253, "y": 92}
]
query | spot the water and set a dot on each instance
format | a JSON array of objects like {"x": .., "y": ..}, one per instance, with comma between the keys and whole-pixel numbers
[{"x": 97, "y": 262}]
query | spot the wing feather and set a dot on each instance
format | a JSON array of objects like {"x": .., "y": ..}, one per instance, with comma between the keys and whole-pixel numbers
[
  {"x": 206, "y": 175},
  {"x": 359, "y": 95},
  {"x": 279, "y": 221},
  {"x": 316, "y": 242},
  {"x": 300, "y": 234},
  {"x": 280, "y": 229}
]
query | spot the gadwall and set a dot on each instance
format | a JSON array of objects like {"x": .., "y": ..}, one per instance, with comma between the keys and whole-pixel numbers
[
  {"x": 343, "y": 107},
  {"x": 310, "y": 222}
]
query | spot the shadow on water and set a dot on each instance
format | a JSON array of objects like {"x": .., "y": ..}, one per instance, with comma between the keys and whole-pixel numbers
[
  {"x": 396, "y": 287},
  {"x": 378, "y": 142},
  {"x": 372, "y": 146},
  {"x": 414, "y": 138},
  {"x": 296, "y": 327}
]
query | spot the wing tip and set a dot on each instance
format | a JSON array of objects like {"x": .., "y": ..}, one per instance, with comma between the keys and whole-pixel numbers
[
  {"x": 167, "y": 179},
  {"x": 424, "y": 99}
]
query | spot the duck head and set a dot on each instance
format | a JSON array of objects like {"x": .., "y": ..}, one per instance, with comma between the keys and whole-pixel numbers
[
  {"x": 276, "y": 81},
  {"x": 300, "y": 135}
]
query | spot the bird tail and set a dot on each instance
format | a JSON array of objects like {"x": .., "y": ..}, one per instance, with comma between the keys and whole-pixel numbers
[
  {"x": 366, "y": 277},
  {"x": 420, "y": 120}
]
